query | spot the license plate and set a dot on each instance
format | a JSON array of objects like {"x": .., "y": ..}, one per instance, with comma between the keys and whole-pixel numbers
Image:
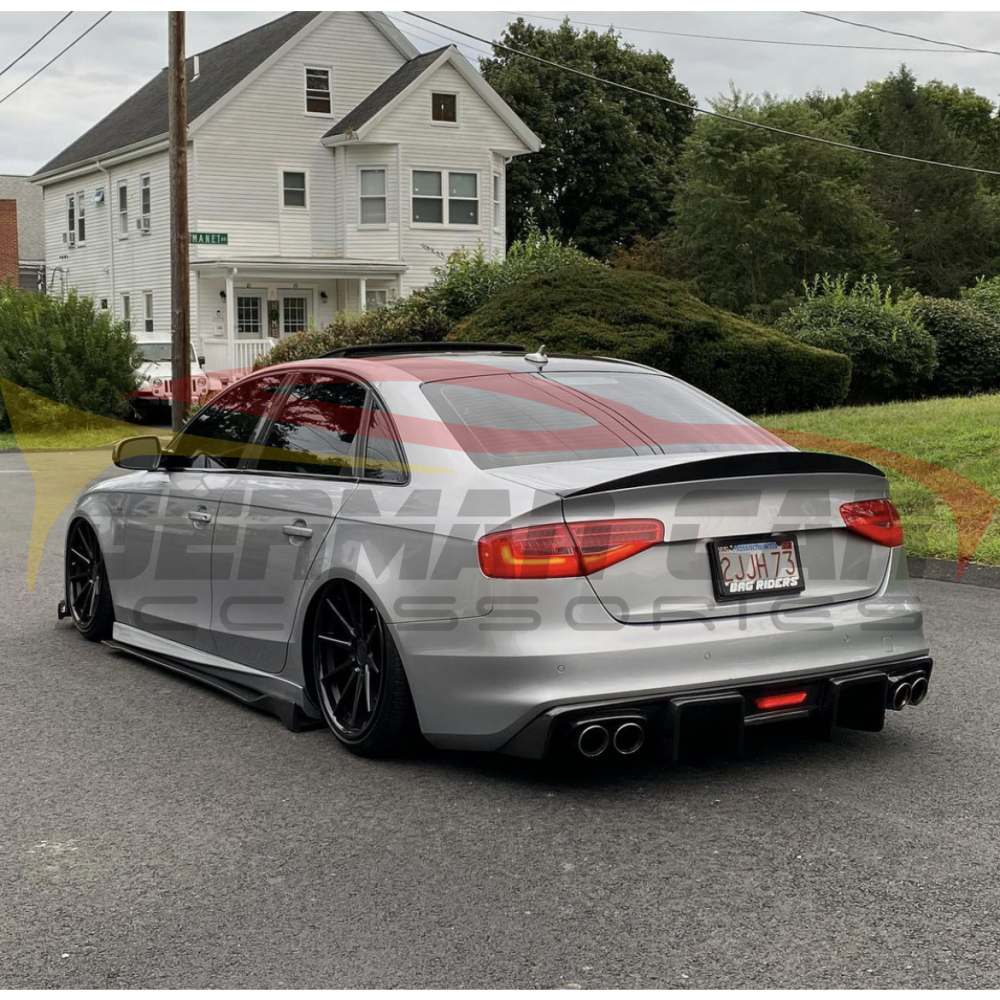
[{"x": 756, "y": 567}]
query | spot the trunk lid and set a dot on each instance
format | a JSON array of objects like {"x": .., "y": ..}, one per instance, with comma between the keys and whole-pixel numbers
[{"x": 704, "y": 499}]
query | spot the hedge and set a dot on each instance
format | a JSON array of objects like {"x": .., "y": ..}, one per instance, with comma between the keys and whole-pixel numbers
[
  {"x": 67, "y": 351},
  {"x": 641, "y": 317},
  {"x": 968, "y": 346},
  {"x": 894, "y": 356}
]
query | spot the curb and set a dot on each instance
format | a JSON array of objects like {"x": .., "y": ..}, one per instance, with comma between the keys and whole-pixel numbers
[{"x": 946, "y": 571}]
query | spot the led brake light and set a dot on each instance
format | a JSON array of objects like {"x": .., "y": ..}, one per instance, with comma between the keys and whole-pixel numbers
[
  {"x": 877, "y": 520},
  {"x": 561, "y": 550}
]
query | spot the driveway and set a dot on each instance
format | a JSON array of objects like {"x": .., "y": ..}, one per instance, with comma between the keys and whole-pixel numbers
[{"x": 154, "y": 833}]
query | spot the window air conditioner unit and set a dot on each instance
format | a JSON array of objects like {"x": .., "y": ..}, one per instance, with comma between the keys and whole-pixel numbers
[
  {"x": 142, "y": 224},
  {"x": 69, "y": 239}
]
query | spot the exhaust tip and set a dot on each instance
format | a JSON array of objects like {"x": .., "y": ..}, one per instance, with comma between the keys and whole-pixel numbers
[
  {"x": 628, "y": 739},
  {"x": 593, "y": 741},
  {"x": 901, "y": 696},
  {"x": 919, "y": 690}
]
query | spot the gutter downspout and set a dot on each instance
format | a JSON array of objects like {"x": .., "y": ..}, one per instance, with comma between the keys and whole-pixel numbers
[{"x": 112, "y": 239}]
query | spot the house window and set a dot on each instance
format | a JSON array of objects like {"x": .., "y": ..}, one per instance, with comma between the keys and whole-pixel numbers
[
  {"x": 444, "y": 108},
  {"x": 71, "y": 218},
  {"x": 318, "y": 99},
  {"x": 127, "y": 312},
  {"x": 81, "y": 221},
  {"x": 497, "y": 218},
  {"x": 294, "y": 185},
  {"x": 429, "y": 200},
  {"x": 249, "y": 318},
  {"x": 376, "y": 298},
  {"x": 373, "y": 196},
  {"x": 123, "y": 208},
  {"x": 147, "y": 311},
  {"x": 145, "y": 202},
  {"x": 463, "y": 199}
]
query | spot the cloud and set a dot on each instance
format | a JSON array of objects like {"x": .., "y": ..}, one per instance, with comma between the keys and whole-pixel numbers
[{"x": 131, "y": 47}]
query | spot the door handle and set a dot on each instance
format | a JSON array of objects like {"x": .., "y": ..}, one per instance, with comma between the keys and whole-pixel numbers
[
  {"x": 199, "y": 516},
  {"x": 298, "y": 530}
]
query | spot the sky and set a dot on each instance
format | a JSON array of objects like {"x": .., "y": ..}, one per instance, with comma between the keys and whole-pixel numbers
[{"x": 131, "y": 47}]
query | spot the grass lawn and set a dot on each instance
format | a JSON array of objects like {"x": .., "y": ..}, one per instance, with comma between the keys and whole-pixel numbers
[
  {"x": 58, "y": 441},
  {"x": 962, "y": 435}
]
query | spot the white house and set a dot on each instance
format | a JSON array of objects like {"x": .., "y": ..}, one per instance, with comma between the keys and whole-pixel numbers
[{"x": 330, "y": 167}]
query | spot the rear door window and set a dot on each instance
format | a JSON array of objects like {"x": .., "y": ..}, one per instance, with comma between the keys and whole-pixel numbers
[
  {"x": 317, "y": 429},
  {"x": 383, "y": 456}
]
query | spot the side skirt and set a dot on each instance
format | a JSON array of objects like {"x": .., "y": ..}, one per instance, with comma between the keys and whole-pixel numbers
[{"x": 292, "y": 705}]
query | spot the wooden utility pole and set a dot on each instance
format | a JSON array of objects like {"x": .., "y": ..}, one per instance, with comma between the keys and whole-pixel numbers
[{"x": 180, "y": 274}]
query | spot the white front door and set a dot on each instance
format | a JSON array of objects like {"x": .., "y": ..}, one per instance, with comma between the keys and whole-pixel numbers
[{"x": 296, "y": 310}]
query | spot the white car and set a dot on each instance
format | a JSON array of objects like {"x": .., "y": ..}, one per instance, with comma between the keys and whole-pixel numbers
[{"x": 152, "y": 401}]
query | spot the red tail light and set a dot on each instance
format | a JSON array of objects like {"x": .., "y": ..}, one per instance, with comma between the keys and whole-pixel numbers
[
  {"x": 788, "y": 700},
  {"x": 875, "y": 519},
  {"x": 561, "y": 550}
]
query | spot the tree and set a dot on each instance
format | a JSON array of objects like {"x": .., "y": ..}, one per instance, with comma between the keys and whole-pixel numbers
[
  {"x": 757, "y": 213},
  {"x": 944, "y": 223},
  {"x": 606, "y": 172}
]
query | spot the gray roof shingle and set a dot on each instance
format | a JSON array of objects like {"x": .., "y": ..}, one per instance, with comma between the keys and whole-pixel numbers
[
  {"x": 386, "y": 92},
  {"x": 144, "y": 115},
  {"x": 30, "y": 215}
]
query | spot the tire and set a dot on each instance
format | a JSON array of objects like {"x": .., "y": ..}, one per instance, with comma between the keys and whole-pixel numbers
[
  {"x": 358, "y": 675},
  {"x": 88, "y": 594}
]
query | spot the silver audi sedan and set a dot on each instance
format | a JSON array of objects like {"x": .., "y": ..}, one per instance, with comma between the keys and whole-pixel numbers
[{"x": 502, "y": 552}]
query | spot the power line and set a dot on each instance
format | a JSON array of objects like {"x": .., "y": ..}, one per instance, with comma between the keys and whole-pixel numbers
[
  {"x": 899, "y": 34},
  {"x": 35, "y": 44},
  {"x": 78, "y": 38},
  {"x": 426, "y": 33},
  {"x": 728, "y": 38},
  {"x": 704, "y": 111}
]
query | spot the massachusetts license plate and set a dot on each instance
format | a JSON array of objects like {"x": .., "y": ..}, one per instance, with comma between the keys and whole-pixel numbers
[{"x": 756, "y": 567}]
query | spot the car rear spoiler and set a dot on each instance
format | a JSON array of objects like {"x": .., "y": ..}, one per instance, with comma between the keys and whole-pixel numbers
[{"x": 744, "y": 465}]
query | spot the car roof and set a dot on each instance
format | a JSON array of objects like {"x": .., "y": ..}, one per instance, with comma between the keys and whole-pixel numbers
[{"x": 429, "y": 367}]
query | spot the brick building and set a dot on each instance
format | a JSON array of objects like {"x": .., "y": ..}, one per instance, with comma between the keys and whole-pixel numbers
[{"x": 22, "y": 233}]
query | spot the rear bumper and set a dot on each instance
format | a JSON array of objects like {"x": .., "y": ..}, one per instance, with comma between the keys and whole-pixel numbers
[
  {"x": 716, "y": 719},
  {"x": 477, "y": 683}
]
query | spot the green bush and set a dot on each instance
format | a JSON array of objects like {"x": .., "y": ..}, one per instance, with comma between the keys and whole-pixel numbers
[
  {"x": 985, "y": 296},
  {"x": 968, "y": 346},
  {"x": 641, "y": 317},
  {"x": 466, "y": 280},
  {"x": 469, "y": 278},
  {"x": 894, "y": 356},
  {"x": 67, "y": 351},
  {"x": 400, "y": 322}
]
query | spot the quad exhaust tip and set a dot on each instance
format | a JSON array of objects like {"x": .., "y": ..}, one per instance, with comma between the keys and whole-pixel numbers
[
  {"x": 628, "y": 738},
  {"x": 900, "y": 696},
  {"x": 918, "y": 690},
  {"x": 593, "y": 740}
]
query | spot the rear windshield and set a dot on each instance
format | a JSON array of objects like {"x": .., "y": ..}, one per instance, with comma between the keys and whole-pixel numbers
[{"x": 521, "y": 419}]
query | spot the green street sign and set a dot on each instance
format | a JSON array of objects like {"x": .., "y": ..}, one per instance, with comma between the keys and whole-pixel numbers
[{"x": 213, "y": 239}]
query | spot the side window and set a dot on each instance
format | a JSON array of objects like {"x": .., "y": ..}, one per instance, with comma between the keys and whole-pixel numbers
[
  {"x": 217, "y": 438},
  {"x": 383, "y": 457},
  {"x": 316, "y": 431}
]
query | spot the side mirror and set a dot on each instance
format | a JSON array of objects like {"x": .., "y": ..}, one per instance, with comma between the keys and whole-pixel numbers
[
  {"x": 201, "y": 360},
  {"x": 137, "y": 454}
]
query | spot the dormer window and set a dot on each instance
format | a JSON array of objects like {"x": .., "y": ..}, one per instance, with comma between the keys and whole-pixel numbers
[
  {"x": 318, "y": 96},
  {"x": 444, "y": 109}
]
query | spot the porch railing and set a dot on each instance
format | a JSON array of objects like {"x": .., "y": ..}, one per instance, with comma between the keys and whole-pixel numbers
[{"x": 246, "y": 352}]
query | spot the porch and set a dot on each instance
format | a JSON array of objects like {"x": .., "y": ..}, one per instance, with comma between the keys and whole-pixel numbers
[{"x": 242, "y": 308}]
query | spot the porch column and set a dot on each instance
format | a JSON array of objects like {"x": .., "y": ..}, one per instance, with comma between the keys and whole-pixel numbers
[
  {"x": 362, "y": 294},
  {"x": 231, "y": 319}
]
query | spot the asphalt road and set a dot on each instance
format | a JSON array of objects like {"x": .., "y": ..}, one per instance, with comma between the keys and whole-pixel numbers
[{"x": 154, "y": 833}]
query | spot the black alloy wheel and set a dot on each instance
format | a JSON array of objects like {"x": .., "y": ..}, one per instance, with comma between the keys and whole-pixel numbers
[
  {"x": 88, "y": 595},
  {"x": 358, "y": 675}
]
